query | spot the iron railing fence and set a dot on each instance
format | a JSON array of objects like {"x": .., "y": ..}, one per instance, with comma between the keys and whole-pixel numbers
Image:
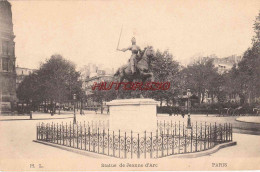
[{"x": 177, "y": 139}]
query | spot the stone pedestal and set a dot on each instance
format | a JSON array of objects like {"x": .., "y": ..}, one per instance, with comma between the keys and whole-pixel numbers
[{"x": 138, "y": 115}]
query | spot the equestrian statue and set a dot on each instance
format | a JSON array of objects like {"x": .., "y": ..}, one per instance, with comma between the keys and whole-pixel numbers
[{"x": 138, "y": 67}]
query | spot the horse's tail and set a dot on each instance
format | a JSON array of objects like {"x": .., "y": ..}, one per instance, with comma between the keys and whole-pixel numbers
[{"x": 117, "y": 72}]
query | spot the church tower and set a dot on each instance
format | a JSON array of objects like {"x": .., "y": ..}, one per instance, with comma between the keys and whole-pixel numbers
[{"x": 7, "y": 59}]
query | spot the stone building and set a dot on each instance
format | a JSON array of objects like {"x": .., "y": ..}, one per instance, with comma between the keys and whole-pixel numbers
[
  {"x": 7, "y": 59},
  {"x": 21, "y": 73}
]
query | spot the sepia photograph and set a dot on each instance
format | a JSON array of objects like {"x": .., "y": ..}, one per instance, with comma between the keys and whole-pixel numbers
[{"x": 129, "y": 85}]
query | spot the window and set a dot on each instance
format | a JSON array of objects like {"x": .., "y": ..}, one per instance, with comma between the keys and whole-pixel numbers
[
  {"x": 10, "y": 49},
  {"x": 5, "y": 64},
  {"x": 5, "y": 47}
]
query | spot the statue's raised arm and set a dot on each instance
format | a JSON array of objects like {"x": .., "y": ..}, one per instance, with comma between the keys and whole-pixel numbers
[{"x": 135, "y": 49}]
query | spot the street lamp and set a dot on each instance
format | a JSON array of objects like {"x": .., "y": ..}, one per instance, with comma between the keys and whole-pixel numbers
[
  {"x": 188, "y": 101},
  {"x": 74, "y": 119},
  {"x": 30, "y": 108},
  {"x": 188, "y": 108}
]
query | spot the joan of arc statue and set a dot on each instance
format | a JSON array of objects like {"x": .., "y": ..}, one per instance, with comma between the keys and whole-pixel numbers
[{"x": 134, "y": 57}]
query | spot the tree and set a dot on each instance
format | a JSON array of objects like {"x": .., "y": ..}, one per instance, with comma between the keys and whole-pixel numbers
[
  {"x": 103, "y": 95},
  {"x": 165, "y": 69},
  {"x": 202, "y": 77},
  {"x": 56, "y": 81},
  {"x": 246, "y": 80}
]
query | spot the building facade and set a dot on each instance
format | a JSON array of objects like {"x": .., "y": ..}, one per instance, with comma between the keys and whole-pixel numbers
[
  {"x": 21, "y": 73},
  {"x": 225, "y": 64},
  {"x": 7, "y": 59},
  {"x": 91, "y": 74}
]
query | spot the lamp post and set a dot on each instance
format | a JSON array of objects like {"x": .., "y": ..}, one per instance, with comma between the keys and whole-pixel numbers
[
  {"x": 30, "y": 108},
  {"x": 188, "y": 108},
  {"x": 74, "y": 100}
]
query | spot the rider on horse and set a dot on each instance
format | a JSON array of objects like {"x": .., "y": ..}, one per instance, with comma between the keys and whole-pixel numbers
[{"x": 134, "y": 57}]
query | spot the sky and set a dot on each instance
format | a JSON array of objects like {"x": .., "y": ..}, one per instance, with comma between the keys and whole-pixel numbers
[{"x": 88, "y": 31}]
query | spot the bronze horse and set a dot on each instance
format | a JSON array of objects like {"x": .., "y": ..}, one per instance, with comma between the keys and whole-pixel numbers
[{"x": 142, "y": 68}]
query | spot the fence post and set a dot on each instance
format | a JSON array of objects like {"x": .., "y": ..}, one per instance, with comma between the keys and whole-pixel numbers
[
  {"x": 138, "y": 146},
  {"x": 205, "y": 136},
  {"x": 77, "y": 136},
  {"x": 171, "y": 125},
  {"x": 220, "y": 127},
  {"x": 210, "y": 134},
  {"x": 98, "y": 139},
  {"x": 40, "y": 131},
  {"x": 151, "y": 151},
  {"x": 119, "y": 143},
  {"x": 70, "y": 134},
  {"x": 57, "y": 133},
  {"x": 183, "y": 129},
  {"x": 125, "y": 146},
  {"x": 66, "y": 135},
  {"x": 179, "y": 137},
  {"x": 63, "y": 141},
  {"x": 226, "y": 132},
  {"x": 46, "y": 128},
  {"x": 131, "y": 144},
  {"x": 108, "y": 141},
  {"x": 231, "y": 133},
  {"x": 196, "y": 141},
  {"x": 173, "y": 143},
  {"x": 162, "y": 142},
  {"x": 94, "y": 134},
  {"x": 113, "y": 145},
  {"x": 81, "y": 140},
  {"x": 201, "y": 136},
  {"x": 175, "y": 128},
  {"x": 164, "y": 126},
  {"x": 185, "y": 141},
  {"x": 145, "y": 144},
  {"x": 73, "y": 133},
  {"x": 167, "y": 136},
  {"x": 60, "y": 135},
  {"x": 103, "y": 141},
  {"x": 215, "y": 134},
  {"x": 52, "y": 132},
  {"x": 89, "y": 139},
  {"x": 157, "y": 142},
  {"x": 85, "y": 134},
  {"x": 54, "y": 135},
  {"x": 37, "y": 129},
  {"x": 191, "y": 135},
  {"x": 229, "y": 128}
]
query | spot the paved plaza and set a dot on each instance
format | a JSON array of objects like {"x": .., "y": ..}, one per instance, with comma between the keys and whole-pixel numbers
[{"x": 17, "y": 138}]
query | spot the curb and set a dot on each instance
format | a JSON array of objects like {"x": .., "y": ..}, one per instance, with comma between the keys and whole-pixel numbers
[
  {"x": 33, "y": 119},
  {"x": 74, "y": 150},
  {"x": 247, "y": 121},
  {"x": 204, "y": 153},
  {"x": 100, "y": 156}
]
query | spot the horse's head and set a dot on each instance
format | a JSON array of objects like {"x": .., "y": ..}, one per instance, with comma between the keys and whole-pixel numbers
[{"x": 149, "y": 52}]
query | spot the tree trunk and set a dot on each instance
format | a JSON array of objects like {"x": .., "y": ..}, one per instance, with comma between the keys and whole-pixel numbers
[
  {"x": 59, "y": 107},
  {"x": 45, "y": 108},
  {"x": 101, "y": 106},
  {"x": 51, "y": 108},
  {"x": 81, "y": 107}
]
